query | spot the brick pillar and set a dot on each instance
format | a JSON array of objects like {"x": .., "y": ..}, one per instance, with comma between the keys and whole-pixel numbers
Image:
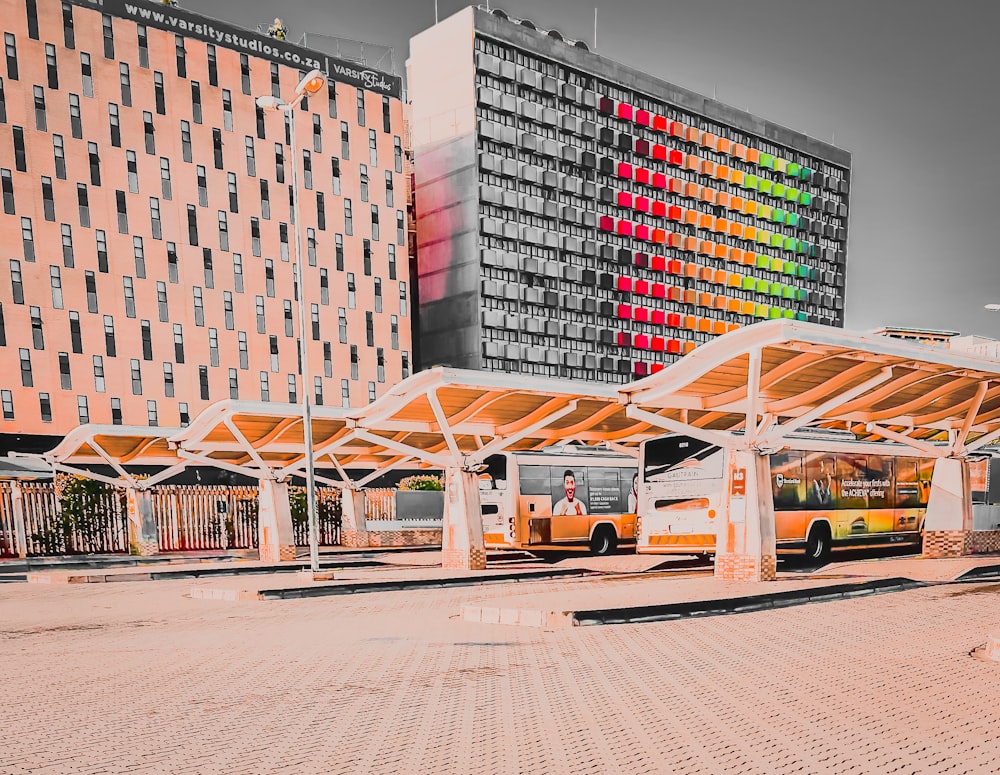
[
  {"x": 948, "y": 522},
  {"x": 462, "y": 545},
  {"x": 745, "y": 548},
  {"x": 275, "y": 537},
  {"x": 20, "y": 533},
  {"x": 142, "y": 532},
  {"x": 353, "y": 526}
]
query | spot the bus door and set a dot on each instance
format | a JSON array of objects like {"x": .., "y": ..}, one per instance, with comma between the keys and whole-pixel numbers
[
  {"x": 534, "y": 505},
  {"x": 881, "y": 511}
]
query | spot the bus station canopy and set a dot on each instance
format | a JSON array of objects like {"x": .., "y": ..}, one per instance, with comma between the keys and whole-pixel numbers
[
  {"x": 775, "y": 378},
  {"x": 768, "y": 381}
]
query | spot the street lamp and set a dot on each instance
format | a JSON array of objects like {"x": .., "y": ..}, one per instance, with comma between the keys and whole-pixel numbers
[{"x": 309, "y": 85}]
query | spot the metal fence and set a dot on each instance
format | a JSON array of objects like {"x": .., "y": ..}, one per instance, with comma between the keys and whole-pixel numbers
[
  {"x": 380, "y": 504},
  {"x": 98, "y": 524},
  {"x": 328, "y": 518},
  {"x": 205, "y": 517},
  {"x": 9, "y": 543}
]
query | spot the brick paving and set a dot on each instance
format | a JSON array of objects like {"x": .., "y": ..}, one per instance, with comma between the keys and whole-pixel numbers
[{"x": 138, "y": 678}]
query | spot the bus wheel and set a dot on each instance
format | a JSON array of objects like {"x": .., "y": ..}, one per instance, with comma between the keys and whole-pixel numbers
[
  {"x": 603, "y": 542},
  {"x": 818, "y": 542}
]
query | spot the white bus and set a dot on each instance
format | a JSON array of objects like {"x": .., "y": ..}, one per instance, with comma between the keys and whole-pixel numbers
[
  {"x": 561, "y": 498},
  {"x": 841, "y": 495}
]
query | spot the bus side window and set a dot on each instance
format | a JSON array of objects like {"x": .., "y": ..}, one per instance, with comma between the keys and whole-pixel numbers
[
  {"x": 821, "y": 473},
  {"x": 924, "y": 475},
  {"x": 880, "y": 470},
  {"x": 787, "y": 481},
  {"x": 907, "y": 483}
]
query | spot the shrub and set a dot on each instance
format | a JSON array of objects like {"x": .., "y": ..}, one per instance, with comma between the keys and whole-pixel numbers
[{"x": 422, "y": 482}]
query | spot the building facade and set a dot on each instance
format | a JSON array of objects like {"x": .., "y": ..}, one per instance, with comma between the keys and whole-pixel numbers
[
  {"x": 147, "y": 236},
  {"x": 579, "y": 218}
]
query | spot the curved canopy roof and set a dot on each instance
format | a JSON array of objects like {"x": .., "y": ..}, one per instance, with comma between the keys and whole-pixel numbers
[{"x": 768, "y": 380}]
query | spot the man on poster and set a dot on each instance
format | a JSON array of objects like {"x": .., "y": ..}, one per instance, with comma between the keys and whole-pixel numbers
[{"x": 569, "y": 505}]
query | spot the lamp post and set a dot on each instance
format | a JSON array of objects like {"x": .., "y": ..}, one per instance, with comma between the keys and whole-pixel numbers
[{"x": 310, "y": 84}]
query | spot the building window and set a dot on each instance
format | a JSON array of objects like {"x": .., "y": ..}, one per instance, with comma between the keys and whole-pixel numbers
[
  {"x": 406, "y": 364},
  {"x": 345, "y": 394},
  {"x": 75, "y": 338},
  {"x": 75, "y": 124},
  {"x": 400, "y": 229},
  {"x": 245, "y": 73},
  {"x": 102, "y": 251},
  {"x": 375, "y": 230},
  {"x": 196, "y": 111},
  {"x": 109, "y": 36},
  {"x": 147, "y": 128},
  {"x": 162, "y": 312},
  {"x": 293, "y": 396},
  {"x": 227, "y": 110},
  {"x": 331, "y": 89},
  {"x": 114, "y": 125},
  {"x": 217, "y": 148},
  {"x": 241, "y": 338},
  {"x": 181, "y": 56},
  {"x": 392, "y": 262},
  {"x": 372, "y": 148},
  {"x": 123, "y": 77},
  {"x": 311, "y": 246},
  {"x": 37, "y": 334},
  {"x": 82, "y": 410},
  {"x": 317, "y": 134},
  {"x": 320, "y": 211},
  {"x": 69, "y": 36},
  {"x": 27, "y": 240},
  {"x": 279, "y": 162},
  {"x": 223, "y": 231},
  {"x": 199, "y": 305},
  {"x": 90, "y": 282},
  {"x": 24, "y": 355},
  {"x": 192, "y": 217},
  {"x": 178, "y": 343},
  {"x": 132, "y": 169},
  {"x": 342, "y": 324},
  {"x": 378, "y": 294},
  {"x": 213, "y": 66},
  {"x": 7, "y": 399},
  {"x": 83, "y": 204},
  {"x": 40, "y": 122},
  {"x": 122, "y": 212},
  {"x": 227, "y": 306},
  {"x": 354, "y": 361},
  {"x": 402, "y": 300},
  {"x": 345, "y": 141},
  {"x": 318, "y": 390},
  {"x": 273, "y": 349},
  {"x": 339, "y": 251},
  {"x": 116, "y": 411},
  {"x": 45, "y": 406},
  {"x": 172, "y": 271},
  {"x": 380, "y": 364},
  {"x": 147, "y": 340},
  {"x": 289, "y": 330},
  {"x": 259, "y": 308},
  {"x": 265, "y": 387},
  {"x": 52, "y": 70},
  {"x": 99, "y": 385},
  {"x": 307, "y": 170},
  {"x": 369, "y": 329},
  {"x": 10, "y": 48},
  {"x": 351, "y": 291},
  {"x": 168, "y": 379},
  {"x": 17, "y": 286},
  {"x": 151, "y": 416},
  {"x": 129, "y": 291},
  {"x": 237, "y": 273},
  {"x": 139, "y": 254},
  {"x": 386, "y": 119},
  {"x": 234, "y": 202},
  {"x": 251, "y": 160},
  {"x": 324, "y": 287},
  {"x": 389, "y": 198},
  {"x": 143, "y": 45},
  {"x": 94, "y": 162},
  {"x": 186, "y": 141},
  {"x": 159, "y": 98},
  {"x": 397, "y": 153},
  {"x": 394, "y": 332},
  {"x": 234, "y": 384},
  {"x": 335, "y": 171},
  {"x": 371, "y": 392},
  {"x": 67, "y": 245},
  {"x": 136, "y": 372},
  {"x": 55, "y": 283},
  {"x": 203, "y": 382},
  {"x": 348, "y": 218},
  {"x": 48, "y": 205},
  {"x": 155, "y": 223},
  {"x": 7, "y": 185},
  {"x": 314, "y": 320}
]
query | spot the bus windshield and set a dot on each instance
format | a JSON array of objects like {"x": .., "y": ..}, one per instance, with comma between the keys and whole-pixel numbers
[{"x": 665, "y": 457}]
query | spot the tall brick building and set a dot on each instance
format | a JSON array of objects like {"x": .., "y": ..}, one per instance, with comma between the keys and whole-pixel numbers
[
  {"x": 146, "y": 236},
  {"x": 579, "y": 218}
]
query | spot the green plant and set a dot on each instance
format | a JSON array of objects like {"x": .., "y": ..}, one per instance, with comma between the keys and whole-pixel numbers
[
  {"x": 422, "y": 482},
  {"x": 87, "y": 509}
]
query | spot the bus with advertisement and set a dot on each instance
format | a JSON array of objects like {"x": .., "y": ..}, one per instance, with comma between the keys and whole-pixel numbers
[
  {"x": 828, "y": 490},
  {"x": 562, "y": 498}
]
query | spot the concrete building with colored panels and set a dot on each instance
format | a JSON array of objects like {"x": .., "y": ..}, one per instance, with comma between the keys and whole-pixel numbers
[
  {"x": 147, "y": 238},
  {"x": 576, "y": 217}
]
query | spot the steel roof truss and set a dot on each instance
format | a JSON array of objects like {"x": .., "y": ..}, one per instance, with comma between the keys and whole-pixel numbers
[
  {"x": 720, "y": 439},
  {"x": 406, "y": 449},
  {"x": 902, "y": 438},
  {"x": 502, "y": 442}
]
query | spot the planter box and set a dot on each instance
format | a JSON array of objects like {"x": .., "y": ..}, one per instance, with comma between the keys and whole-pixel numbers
[{"x": 419, "y": 505}]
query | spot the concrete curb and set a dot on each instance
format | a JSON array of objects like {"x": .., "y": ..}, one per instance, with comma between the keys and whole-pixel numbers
[
  {"x": 734, "y": 605},
  {"x": 975, "y": 573},
  {"x": 50, "y": 577},
  {"x": 379, "y": 586}
]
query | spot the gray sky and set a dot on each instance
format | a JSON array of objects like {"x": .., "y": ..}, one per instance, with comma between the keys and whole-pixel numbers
[{"x": 908, "y": 86}]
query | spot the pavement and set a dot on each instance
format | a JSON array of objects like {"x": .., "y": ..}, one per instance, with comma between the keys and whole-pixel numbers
[{"x": 109, "y": 678}]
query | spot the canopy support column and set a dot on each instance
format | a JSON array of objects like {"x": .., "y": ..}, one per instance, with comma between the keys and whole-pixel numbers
[
  {"x": 275, "y": 536},
  {"x": 745, "y": 547},
  {"x": 462, "y": 546},
  {"x": 948, "y": 522},
  {"x": 143, "y": 537},
  {"x": 353, "y": 526}
]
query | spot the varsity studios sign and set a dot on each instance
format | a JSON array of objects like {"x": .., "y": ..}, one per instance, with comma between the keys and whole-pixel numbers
[{"x": 197, "y": 27}]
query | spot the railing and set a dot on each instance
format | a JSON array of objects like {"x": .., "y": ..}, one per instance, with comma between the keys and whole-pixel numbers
[
  {"x": 205, "y": 517},
  {"x": 328, "y": 517},
  {"x": 9, "y": 545},
  {"x": 380, "y": 504},
  {"x": 99, "y": 526}
]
